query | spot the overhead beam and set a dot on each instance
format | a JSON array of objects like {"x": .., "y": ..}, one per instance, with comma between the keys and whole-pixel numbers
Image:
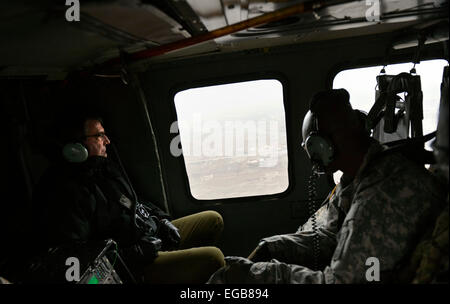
[{"x": 300, "y": 8}]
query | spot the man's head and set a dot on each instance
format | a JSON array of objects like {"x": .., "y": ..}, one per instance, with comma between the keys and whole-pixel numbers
[
  {"x": 95, "y": 139},
  {"x": 333, "y": 131},
  {"x": 88, "y": 131}
]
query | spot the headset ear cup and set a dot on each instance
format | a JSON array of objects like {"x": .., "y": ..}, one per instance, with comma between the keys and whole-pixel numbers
[
  {"x": 319, "y": 149},
  {"x": 75, "y": 153}
]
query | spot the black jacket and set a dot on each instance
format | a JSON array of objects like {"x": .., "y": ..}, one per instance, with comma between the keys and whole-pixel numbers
[{"x": 88, "y": 202}]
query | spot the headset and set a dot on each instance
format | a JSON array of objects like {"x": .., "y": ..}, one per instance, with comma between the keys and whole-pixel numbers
[
  {"x": 75, "y": 152},
  {"x": 319, "y": 148}
]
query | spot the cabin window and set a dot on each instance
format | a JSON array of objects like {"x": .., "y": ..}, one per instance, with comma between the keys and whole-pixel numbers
[
  {"x": 233, "y": 139},
  {"x": 361, "y": 84}
]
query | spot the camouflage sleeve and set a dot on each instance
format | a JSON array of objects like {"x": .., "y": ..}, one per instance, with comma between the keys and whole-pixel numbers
[
  {"x": 297, "y": 248},
  {"x": 382, "y": 225},
  {"x": 288, "y": 252},
  {"x": 242, "y": 271}
]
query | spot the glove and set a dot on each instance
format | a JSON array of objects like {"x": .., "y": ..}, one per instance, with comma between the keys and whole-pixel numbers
[
  {"x": 141, "y": 253},
  {"x": 261, "y": 253},
  {"x": 149, "y": 247},
  {"x": 229, "y": 260},
  {"x": 169, "y": 234},
  {"x": 236, "y": 271}
]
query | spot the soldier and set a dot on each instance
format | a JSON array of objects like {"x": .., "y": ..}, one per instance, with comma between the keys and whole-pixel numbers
[{"x": 371, "y": 221}]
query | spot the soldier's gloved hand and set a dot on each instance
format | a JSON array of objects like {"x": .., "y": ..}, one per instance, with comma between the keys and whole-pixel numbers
[
  {"x": 261, "y": 253},
  {"x": 169, "y": 234},
  {"x": 236, "y": 271}
]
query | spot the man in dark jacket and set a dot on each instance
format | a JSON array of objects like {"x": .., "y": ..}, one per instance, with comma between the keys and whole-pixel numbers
[{"x": 85, "y": 198}]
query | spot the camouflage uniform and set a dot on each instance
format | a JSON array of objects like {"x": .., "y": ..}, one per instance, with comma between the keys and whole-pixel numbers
[{"x": 380, "y": 213}]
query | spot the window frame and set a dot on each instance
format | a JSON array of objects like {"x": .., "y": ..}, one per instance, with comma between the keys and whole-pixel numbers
[{"x": 199, "y": 83}]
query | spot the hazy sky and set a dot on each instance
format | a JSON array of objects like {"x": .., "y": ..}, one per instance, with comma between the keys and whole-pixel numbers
[{"x": 235, "y": 99}]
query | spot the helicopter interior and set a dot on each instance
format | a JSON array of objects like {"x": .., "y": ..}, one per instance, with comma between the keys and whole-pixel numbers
[{"x": 132, "y": 61}]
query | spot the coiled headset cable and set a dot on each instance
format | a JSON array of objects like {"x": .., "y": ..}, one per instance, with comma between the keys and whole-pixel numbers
[{"x": 312, "y": 194}]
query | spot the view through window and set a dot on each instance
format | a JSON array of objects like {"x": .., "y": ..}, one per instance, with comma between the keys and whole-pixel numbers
[
  {"x": 233, "y": 139},
  {"x": 361, "y": 84}
]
